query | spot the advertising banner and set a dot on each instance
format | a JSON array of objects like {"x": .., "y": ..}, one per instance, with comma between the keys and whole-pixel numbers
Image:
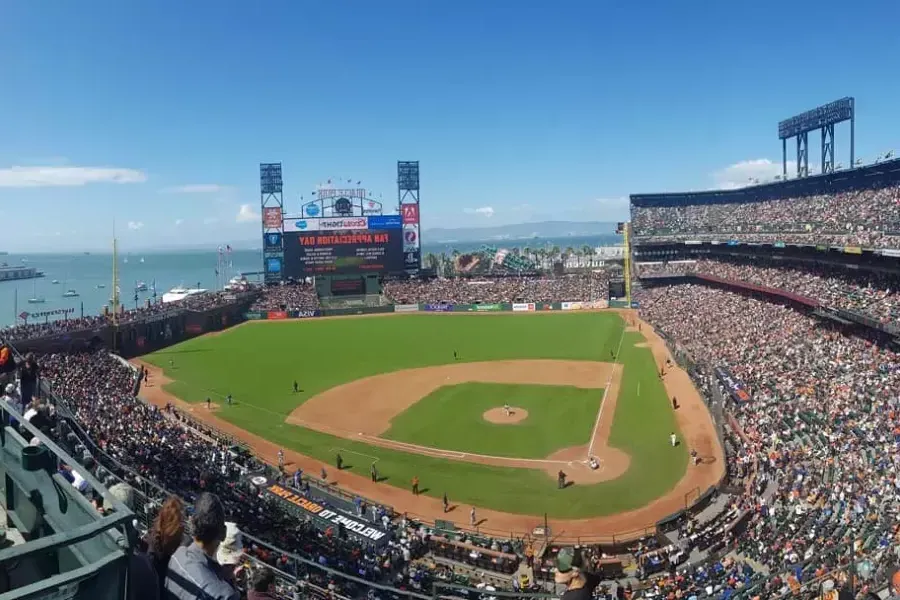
[
  {"x": 273, "y": 265},
  {"x": 323, "y": 517},
  {"x": 571, "y": 306},
  {"x": 733, "y": 243},
  {"x": 254, "y": 316},
  {"x": 779, "y": 244},
  {"x": 272, "y": 217},
  {"x": 385, "y": 222},
  {"x": 303, "y": 314},
  {"x": 523, "y": 307},
  {"x": 852, "y": 250},
  {"x": 297, "y": 224},
  {"x": 438, "y": 307},
  {"x": 345, "y": 223},
  {"x": 544, "y": 306},
  {"x": 487, "y": 307},
  {"x": 410, "y": 214},
  {"x": 272, "y": 241},
  {"x": 406, "y": 308},
  {"x": 889, "y": 252},
  {"x": 734, "y": 386},
  {"x": 410, "y": 238},
  {"x": 276, "y": 315},
  {"x": 595, "y": 304}
]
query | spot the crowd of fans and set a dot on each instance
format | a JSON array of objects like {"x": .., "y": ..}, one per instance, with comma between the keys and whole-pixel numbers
[
  {"x": 154, "y": 309},
  {"x": 821, "y": 427},
  {"x": 815, "y": 446},
  {"x": 137, "y": 448},
  {"x": 287, "y": 297},
  {"x": 871, "y": 293},
  {"x": 868, "y": 218},
  {"x": 565, "y": 288}
]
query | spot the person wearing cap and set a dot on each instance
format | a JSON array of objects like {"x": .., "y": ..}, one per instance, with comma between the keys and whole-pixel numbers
[
  {"x": 230, "y": 551},
  {"x": 193, "y": 571},
  {"x": 579, "y": 584}
]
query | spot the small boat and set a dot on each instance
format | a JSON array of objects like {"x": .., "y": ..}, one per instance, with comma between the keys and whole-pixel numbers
[
  {"x": 70, "y": 294},
  {"x": 55, "y": 281},
  {"x": 100, "y": 286},
  {"x": 126, "y": 260},
  {"x": 140, "y": 286},
  {"x": 142, "y": 259},
  {"x": 35, "y": 299}
]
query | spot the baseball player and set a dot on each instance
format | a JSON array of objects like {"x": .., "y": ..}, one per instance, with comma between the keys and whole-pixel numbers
[
  {"x": 506, "y": 409},
  {"x": 673, "y": 438}
]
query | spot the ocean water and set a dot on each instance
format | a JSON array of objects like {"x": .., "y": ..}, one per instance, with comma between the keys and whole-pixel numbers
[{"x": 85, "y": 272}]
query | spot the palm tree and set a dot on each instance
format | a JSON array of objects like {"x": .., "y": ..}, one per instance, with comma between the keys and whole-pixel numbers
[{"x": 588, "y": 253}]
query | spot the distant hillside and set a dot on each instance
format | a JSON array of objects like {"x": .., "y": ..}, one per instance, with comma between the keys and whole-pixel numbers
[{"x": 543, "y": 229}]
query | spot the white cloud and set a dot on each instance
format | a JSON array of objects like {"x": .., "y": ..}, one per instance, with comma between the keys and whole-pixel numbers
[
  {"x": 197, "y": 188},
  {"x": 23, "y": 177},
  {"x": 246, "y": 214},
  {"x": 178, "y": 222},
  {"x": 135, "y": 225},
  {"x": 484, "y": 211},
  {"x": 749, "y": 172}
]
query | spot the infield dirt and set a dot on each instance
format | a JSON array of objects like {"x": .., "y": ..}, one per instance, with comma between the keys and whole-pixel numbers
[{"x": 693, "y": 419}]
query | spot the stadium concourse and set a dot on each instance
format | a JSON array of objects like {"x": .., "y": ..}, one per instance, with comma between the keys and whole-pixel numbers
[{"x": 811, "y": 494}]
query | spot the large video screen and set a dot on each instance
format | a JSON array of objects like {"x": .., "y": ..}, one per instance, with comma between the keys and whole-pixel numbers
[{"x": 307, "y": 254}]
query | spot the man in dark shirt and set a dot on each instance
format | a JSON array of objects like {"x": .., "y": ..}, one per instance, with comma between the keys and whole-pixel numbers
[
  {"x": 29, "y": 371},
  {"x": 579, "y": 584}
]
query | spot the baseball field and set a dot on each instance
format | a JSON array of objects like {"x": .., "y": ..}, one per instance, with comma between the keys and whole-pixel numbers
[{"x": 487, "y": 409}]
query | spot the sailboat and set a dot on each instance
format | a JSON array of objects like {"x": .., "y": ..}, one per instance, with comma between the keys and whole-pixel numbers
[
  {"x": 69, "y": 293},
  {"x": 142, "y": 259},
  {"x": 35, "y": 299}
]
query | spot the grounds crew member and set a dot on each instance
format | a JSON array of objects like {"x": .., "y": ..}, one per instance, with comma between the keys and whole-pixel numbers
[
  {"x": 374, "y": 473},
  {"x": 561, "y": 479},
  {"x": 415, "y": 485},
  {"x": 339, "y": 461},
  {"x": 579, "y": 584},
  {"x": 446, "y": 503}
]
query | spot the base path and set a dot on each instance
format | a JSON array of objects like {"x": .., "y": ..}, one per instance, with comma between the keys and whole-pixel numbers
[{"x": 694, "y": 422}]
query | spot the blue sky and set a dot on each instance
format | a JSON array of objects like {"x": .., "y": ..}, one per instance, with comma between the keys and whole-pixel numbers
[{"x": 156, "y": 114}]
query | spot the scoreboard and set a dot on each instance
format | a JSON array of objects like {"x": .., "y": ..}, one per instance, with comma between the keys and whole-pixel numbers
[{"x": 346, "y": 246}]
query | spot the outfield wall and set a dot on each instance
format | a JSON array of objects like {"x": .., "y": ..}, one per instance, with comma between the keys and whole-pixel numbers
[{"x": 276, "y": 315}]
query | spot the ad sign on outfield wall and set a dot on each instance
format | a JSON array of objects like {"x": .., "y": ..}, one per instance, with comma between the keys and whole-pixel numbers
[
  {"x": 571, "y": 305},
  {"x": 297, "y": 224},
  {"x": 438, "y": 308},
  {"x": 406, "y": 308},
  {"x": 522, "y": 307},
  {"x": 488, "y": 307}
]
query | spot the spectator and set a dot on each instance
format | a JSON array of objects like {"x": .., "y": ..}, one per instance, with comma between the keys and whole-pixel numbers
[
  {"x": 263, "y": 586},
  {"x": 193, "y": 572}
]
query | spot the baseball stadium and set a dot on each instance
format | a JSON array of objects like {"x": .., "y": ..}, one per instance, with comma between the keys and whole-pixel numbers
[{"x": 713, "y": 416}]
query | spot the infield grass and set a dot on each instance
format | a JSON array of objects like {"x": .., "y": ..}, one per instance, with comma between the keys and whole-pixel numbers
[
  {"x": 451, "y": 418},
  {"x": 258, "y": 362}
]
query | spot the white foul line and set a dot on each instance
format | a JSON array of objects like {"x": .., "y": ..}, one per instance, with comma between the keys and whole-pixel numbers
[{"x": 606, "y": 390}]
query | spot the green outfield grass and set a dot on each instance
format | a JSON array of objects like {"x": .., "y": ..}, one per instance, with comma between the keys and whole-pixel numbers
[
  {"x": 451, "y": 418},
  {"x": 257, "y": 364}
]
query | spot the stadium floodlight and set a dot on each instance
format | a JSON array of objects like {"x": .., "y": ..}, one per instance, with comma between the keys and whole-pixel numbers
[{"x": 823, "y": 118}]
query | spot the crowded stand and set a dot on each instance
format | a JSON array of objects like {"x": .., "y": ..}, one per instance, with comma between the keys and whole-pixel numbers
[
  {"x": 813, "y": 457},
  {"x": 820, "y": 424},
  {"x": 565, "y": 288},
  {"x": 142, "y": 443},
  {"x": 867, "y": 218},
  {"x": 871, "y": 293},
  {"x": 287, "y": 297},
  {"x": 196, "y": 302}
]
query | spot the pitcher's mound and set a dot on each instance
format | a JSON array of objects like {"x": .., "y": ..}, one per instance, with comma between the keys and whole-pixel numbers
[{"x": 498, "y": 415}]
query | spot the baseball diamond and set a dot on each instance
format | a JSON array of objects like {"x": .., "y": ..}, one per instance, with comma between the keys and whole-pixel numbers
[{"x": 410, "y": 393}]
